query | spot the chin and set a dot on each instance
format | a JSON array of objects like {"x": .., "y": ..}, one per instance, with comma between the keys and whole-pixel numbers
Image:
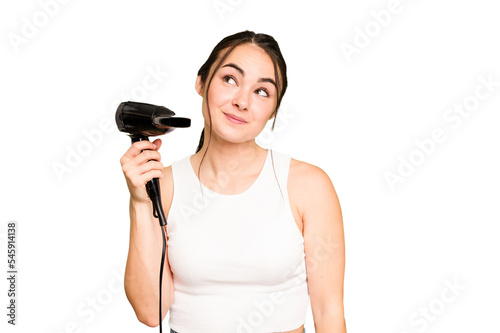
[{"x": 233, "y": 135}]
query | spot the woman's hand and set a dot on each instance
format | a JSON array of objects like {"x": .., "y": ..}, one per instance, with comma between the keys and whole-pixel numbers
[{"x": 139, "y": 168}]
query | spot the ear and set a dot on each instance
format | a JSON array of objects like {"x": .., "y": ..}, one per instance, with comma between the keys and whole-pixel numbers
[{"x": 199, "y": 86}]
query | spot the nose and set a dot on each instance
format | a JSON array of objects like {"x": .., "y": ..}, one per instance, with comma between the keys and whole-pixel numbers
[{"x": 241, "y": 100}]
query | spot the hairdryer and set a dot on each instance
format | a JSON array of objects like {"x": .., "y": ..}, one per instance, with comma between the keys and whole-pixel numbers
[{"x": 142, "y": 120}]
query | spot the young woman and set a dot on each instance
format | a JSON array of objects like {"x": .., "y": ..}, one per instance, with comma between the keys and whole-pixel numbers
[{"x": 253, "y": 234}]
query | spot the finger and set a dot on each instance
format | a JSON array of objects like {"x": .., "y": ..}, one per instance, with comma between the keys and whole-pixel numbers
[
  {"x": 157, "y": 143},
  {"x": 150, "y": 175},
  {"x": 141, "y": 175},
  {"x": 143, "y": 145},
  {"x": 146, "y": 156},
  {"x": 149, "y": 166},
  {"x": 135, "y": 149},
  {"x": 140, "y": 163}
]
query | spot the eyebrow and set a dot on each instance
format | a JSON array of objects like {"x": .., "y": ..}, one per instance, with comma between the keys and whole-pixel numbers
[{"x": 242, "y": 72}]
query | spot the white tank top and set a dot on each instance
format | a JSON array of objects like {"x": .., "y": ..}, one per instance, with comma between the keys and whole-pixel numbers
[{"x": 237, "y": 261}]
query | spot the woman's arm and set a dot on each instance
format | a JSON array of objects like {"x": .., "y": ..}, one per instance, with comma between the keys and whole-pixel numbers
[
  {"x": 324, "y": 247},
  {"x": 146, "y": 240},
  {"x": 143, "y": 266}
]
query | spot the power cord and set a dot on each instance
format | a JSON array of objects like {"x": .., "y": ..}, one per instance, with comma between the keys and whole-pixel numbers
[
  {"x": 161, "y": 269},
  {"x": 153, "y": 187}
]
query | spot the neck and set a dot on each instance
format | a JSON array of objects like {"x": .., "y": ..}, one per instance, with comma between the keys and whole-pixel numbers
[{"x": 231, "y": 159}]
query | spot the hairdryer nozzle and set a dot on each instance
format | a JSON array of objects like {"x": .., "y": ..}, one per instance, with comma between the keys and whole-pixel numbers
[
  {"x": 143, "y": 120},
  {"x": 165, "y": 122}
]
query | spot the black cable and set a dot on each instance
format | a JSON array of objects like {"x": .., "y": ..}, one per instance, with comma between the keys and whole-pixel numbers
[
  {"x": 161, "y": 269},
  {"x": 154, "y": 194}
]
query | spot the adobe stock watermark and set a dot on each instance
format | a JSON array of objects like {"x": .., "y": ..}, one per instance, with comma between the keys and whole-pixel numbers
[
  {"x": 90, "y": 308},
  {"x": 30, "y": 27},
  {"x": 94, "y": 137},
  {"x": 428, "y": 313},
  {"x": 222, "y": 7},
  {"x": 380, "y": 20},
  {"x": 454, "y": 117},
  {"x": 12, "y": 271}
]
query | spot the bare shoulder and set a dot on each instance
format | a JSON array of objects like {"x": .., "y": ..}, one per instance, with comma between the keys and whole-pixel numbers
[
  {"x": 305, "y": 175},
  {"x": 308, "y": 183}
]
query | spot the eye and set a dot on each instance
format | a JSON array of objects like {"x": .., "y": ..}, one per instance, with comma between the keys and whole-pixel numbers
[
  {"x": 262, "y": 92},
  {"x": 229, "y": 79}
]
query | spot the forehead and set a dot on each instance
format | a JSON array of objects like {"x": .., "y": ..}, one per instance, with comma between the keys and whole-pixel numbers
[{"x": 252, "y": 59}]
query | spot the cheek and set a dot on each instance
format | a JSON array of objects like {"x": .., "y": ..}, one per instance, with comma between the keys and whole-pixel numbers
[
  {"x": 265, "y": 107},
  {"x": 218, "y": 96}
]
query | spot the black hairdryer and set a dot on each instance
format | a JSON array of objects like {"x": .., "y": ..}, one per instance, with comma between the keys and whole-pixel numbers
[{"x": 142, "y": 120}]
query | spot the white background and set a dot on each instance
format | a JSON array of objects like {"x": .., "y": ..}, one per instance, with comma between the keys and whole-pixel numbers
[{"x": 356, "y": 117}]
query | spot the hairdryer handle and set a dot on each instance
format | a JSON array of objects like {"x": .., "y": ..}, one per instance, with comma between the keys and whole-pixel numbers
[{"x": 153, "y": 189}]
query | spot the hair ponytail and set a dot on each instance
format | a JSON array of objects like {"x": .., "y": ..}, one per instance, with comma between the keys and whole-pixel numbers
[{"x": 202, "y": 139}]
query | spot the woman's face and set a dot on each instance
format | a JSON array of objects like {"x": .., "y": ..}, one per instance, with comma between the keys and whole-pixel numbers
[{"x": 242, "y": 88}]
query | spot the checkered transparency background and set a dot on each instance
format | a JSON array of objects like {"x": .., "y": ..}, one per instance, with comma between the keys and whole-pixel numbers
[{"x": 398, "y": 101}]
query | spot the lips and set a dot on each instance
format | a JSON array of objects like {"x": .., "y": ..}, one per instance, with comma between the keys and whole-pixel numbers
[{"x": 232, "y": 116}]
